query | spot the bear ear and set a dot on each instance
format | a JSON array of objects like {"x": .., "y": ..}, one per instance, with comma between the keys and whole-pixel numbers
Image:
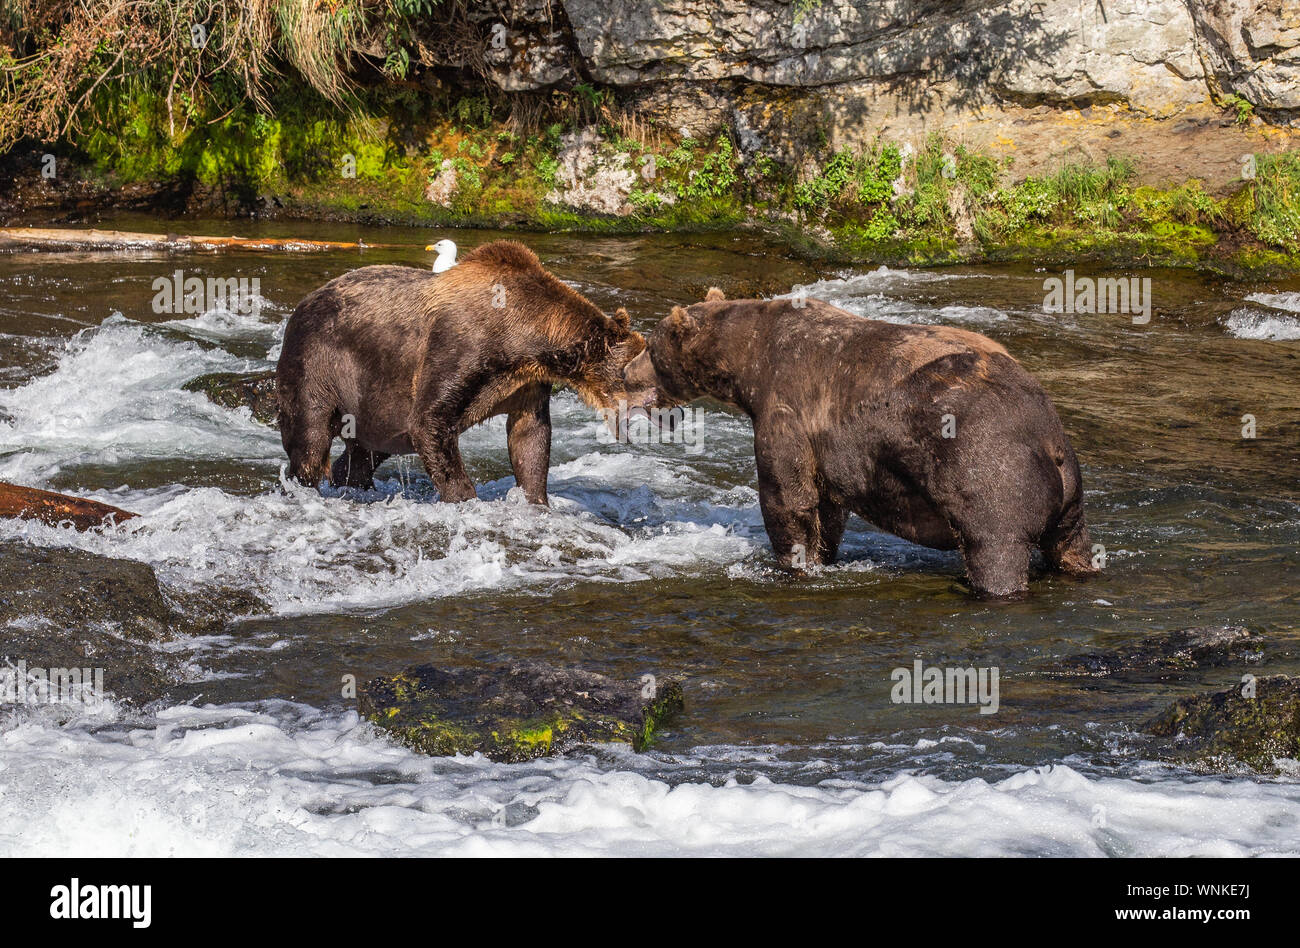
[
  {"x": 622, "y": 318},
  {"x": 714, "y": 294},
  {"x": 681, "y": 319}
]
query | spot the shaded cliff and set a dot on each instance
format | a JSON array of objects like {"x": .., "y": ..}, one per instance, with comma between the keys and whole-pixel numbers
[{"x": 784, "y": 77}]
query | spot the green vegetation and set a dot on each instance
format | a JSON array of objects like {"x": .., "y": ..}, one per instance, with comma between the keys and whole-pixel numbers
[
  {"x": 266, "y": 107},
  {"x": 952, "y": 203},
  {"x": 942, "y": 203},
  {"x": 65, "y": 63},
  {"x": 1272, "y": 207},
  {"x": 1244, "y": 108},
  {"x": 804, "y": 7},
  {"x": 851, "y": 181}
]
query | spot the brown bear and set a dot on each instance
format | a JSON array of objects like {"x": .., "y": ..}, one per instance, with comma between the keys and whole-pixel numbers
[
  {"x": 934, "y": 434},
  {"x": 397, "y": 359}
]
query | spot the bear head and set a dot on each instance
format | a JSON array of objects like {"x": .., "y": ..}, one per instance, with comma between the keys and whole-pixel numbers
[
  {"x": 601, "y": 378},
  {"x": 675, "y": 368}
]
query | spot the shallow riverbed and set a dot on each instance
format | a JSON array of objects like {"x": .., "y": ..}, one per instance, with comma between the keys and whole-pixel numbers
[{"x": 651, "y": 559}]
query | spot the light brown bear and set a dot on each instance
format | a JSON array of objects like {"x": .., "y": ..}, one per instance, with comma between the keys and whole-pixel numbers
[
  {"x": 397, "y": 360},
  {"x": 935, "y": 434}
]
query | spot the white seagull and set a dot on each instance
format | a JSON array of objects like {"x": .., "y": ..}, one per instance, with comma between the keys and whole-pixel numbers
[{"x": 446, "y": 251}]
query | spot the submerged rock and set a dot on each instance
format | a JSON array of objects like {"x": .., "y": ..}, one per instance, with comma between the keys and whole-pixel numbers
[
  {"x": 1255, "y": 722},
  {"x": 63, "y": 608},
  {"x": 254, "y": 390},
  {"x": 516, "y": 712},
  {"x": 1200, "y": 647}
]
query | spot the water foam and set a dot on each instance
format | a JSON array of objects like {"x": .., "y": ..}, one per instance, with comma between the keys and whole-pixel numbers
[
  {"x": 868, "y": 295},
  {"x": 285, "y": 779},
  {"x": 301, "y": 551},
  {"x": 116, "y": 396},
  {"x": 1247, "y": 323},
  {"x": 1287, "y": 301}
]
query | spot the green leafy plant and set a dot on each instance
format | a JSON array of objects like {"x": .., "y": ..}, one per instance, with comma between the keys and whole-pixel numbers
[
  {"x": 818, "y": 192},
  {"x": 1244, "y": 108},
  {"x": 468, "y": 177},
  {"x": 472, "y": 112},
  {"x": 714, "y": 176}
]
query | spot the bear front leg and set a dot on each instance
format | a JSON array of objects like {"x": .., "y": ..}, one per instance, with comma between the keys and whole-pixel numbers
[
  {"x": 442, "y": 399},
  {"x": 528, "y": 437},
  {"x": 997, "y": 567},
  {"x": 788, "y": 497},
  {"x": 307, "y": 435}
]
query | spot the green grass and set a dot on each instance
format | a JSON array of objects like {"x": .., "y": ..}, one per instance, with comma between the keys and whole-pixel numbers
[
  {"x": 1274, "y": 214},
  {"x": 874, "y": 202}
]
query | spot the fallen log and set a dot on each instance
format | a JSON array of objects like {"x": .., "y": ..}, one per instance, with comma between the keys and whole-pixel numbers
[
  {"x": 44, "y": 238},
  {"x": 28, "y": 503}
]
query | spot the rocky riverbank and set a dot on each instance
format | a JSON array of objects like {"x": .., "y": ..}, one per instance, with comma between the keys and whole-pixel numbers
[{"x": 908, "y": 132}]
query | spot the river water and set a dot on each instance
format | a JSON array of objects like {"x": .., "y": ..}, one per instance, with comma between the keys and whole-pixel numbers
[{"x": 652, "y": 559}]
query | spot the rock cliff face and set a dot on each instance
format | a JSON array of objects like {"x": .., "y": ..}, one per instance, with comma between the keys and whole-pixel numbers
[
  {"x": 1252, "y": 48},
  {"x": 778, "y": 72},
  {"x": 1155, "y": 56}
]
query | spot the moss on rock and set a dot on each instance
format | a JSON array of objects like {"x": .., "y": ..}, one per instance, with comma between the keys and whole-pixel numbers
[
  {"x": 516, "y": 712},
  {"x": 1256, "y": 723},
  {"x": 419, "y": 157}
]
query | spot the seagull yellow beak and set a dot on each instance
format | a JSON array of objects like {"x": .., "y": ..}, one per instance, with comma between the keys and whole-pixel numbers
[{"x": 428, "y": 248}]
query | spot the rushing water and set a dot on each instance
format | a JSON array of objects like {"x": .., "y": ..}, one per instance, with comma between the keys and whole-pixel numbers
[{"x": 651, "y": 559}]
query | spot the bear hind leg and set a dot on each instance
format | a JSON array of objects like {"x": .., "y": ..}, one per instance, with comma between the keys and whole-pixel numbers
[
  {"x": 831, "y": 518},
  {"x": 355, "y": 467}
]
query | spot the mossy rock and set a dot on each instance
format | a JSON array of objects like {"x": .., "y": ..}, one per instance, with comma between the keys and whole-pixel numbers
[
  {"x": 253, "y": 390},
  {"x": 1170, "y": 652},
  {"x": 1230, "y": 725},
  {"x": 66, "y": 608},
  {"x": 516, "y": 712}
]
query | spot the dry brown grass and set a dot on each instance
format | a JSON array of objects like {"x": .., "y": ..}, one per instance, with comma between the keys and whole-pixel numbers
[{"x": 55, "y": 55}]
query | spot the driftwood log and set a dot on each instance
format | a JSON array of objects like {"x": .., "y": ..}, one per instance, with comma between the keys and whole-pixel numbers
[
  {"x": 46, "y": 506},
  {"x": 44, "y": 238}
]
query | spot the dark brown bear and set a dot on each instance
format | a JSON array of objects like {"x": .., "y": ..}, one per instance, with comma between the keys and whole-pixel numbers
[
  {"x": 934, "y": 434},
  {"x": 397, "y": 360}
]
